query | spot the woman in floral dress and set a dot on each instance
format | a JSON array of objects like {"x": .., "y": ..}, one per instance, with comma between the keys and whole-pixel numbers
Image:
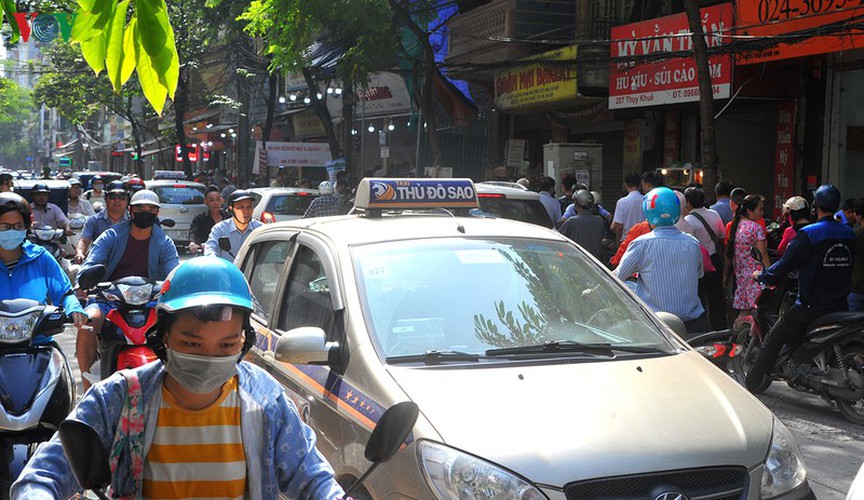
[{"x": 745, "y": 235}]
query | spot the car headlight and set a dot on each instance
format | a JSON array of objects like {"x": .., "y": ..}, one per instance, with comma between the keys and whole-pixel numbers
[
  {"x": 136, "y": 295},
  {"x": 454, "y": 475},
  {"x": 16, "y": 329},
  {"x": 784, "y": 470}
]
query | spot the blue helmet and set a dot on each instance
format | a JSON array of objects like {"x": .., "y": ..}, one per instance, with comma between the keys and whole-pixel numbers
[
  {"x": 204, "y": 281},
  {"x": 661, "y": 207},
  {"x": 96, "y": 178},
  {"x": 827, "y": 197}
]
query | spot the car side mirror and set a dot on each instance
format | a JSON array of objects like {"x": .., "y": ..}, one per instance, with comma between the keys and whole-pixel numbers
[
  {"x": 86, "y": 455},
  {"x": 224, "y": 244},
  {"x": 167, "y": 222},
  {"x": 92, "y": 276},
  {"x": 674, "y": 323},
  {"x": 306, "y": 345}
]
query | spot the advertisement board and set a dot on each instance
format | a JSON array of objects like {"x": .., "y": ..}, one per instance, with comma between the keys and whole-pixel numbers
[
  {"x": 645, "y": 80},
  {"x": 297, "y": 154},
  {"x": 784, "y": 159},
  {"x": 537, "y": 83}
]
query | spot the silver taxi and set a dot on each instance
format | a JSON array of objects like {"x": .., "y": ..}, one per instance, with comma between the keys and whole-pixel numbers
[
  {"x": 181, "y": 201},
  {"x": 537, "y": 373}
]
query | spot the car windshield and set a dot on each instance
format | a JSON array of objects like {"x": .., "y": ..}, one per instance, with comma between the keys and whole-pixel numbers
[
  {"x": 180, "y": 195},
  {"x": 292, "y": 204},
  {"x": 479, "y": 295},
  {"x": 508, "y": 208}
]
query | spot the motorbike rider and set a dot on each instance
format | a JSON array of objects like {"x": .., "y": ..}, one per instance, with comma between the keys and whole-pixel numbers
[
  {"x": 822, "y": 254},
  {"x": 78, "y": 205},
  {"x": 236, "y": 229},
  {"x": 199, "y": 395},
  {"x": 202, "y": 224},
  {"x": 96, "y": 191},
  {"x": 6, "y": 182},
  {"x": 46, "y": 213},
  {"x": 31, "y": 272},
  {"x": 136, "y": 247},
  {"x": 115, "y": 212}
]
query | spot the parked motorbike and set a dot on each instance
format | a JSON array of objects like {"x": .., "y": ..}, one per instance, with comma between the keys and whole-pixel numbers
[
  {"x": 89, "y": 459},
  {"x": 37, "y": 389},
  {"x": 123, "y": 340}
]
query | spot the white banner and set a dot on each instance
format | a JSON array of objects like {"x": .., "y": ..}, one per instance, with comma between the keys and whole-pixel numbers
[{"x": 297, "y": 154}]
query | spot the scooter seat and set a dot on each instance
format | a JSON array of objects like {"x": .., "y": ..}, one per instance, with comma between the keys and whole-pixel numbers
[{"x": 834, "y": 318}]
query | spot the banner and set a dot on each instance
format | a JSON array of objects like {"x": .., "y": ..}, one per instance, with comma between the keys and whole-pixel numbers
[
  {"x": 784, "y": 159},
  {"x": 296, "y": 154},
  {"x": 538, "y": 83},
  {"x": 637, "y": 83}
]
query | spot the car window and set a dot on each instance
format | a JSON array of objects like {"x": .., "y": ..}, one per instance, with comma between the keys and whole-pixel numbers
[
  {"x": 509, "y": 208},
  {"x": 289, "y": 204},
  {"x": 307, "y": 297},
  {"x": 269, "y": 258},
  {"x": 256, "y": 197},
  {"x": 179, "y": 194},
  {"x": 475, "y": 295}
]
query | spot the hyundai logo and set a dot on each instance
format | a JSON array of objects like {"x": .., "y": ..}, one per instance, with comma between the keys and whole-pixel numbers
[{"x": 671, "y": 495}]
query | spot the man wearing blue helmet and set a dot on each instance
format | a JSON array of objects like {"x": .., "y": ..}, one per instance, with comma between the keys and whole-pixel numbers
[
  {"x": 822, "y": 254},
  {"x": 669, "y": 262},
  {"x": 239, "y": 435}
]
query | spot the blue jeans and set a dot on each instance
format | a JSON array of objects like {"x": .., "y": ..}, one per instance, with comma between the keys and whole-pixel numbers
[{"x": 856, "y": 302}]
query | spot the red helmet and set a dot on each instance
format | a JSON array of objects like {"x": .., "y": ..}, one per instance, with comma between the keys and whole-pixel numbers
[{"x": 134, "y": 184}]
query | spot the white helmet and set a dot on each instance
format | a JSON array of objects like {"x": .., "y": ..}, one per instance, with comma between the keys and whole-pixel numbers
[
  {"x": 144, "y": 197},
  {"x": 326, "y": 187}
]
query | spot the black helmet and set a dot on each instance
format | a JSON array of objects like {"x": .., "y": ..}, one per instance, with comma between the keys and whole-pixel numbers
[
  {"x": 239, "y": 195},
  {"x": 40, "y": 188},
  {"x": 115, "y": 187},
  {"x": 827, "y": 197},
  {"x": 10, "y": 201}
]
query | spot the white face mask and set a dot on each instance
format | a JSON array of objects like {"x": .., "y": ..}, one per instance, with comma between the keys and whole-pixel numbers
[{"x": 200, "y": 374}]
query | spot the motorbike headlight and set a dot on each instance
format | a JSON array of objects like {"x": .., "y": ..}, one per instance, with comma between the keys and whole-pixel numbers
[
  {"x": 784, "y": 470},
  {"x": 18, "y": 328},
  {"x": 136, "y": 295},
  {"x": 454, "y": 475}
]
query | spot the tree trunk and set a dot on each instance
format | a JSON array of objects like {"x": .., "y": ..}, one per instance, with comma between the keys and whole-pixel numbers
[
  {"x": 348, "y": 100},
  {"x": 706, "y": 96},
  {"x": 181, "y": 96},
  {"x": 273, "y": 82},
  {"x": 136, "y": 136},
  {"x": 323, "y": 114},
  {"x": 244, "y": 97}
]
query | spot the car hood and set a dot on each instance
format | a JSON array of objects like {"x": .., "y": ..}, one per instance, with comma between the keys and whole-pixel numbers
[{"x": 557, "y": 423}]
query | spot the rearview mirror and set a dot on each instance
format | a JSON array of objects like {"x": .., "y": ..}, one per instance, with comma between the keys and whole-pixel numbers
[
  {"x": 92, "y": 276},
  {"x": 306, "y": 345},
  {"x": 674, "y": 323},
  {"x": 88, "y": 459},
  {"x": 224, "y": 244},
  {"x": 391, "y": 431}
]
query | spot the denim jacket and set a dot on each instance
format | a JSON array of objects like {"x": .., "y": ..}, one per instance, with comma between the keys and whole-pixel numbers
[
  {"x": 279, "y": 448},
  {"x": 109, "y": 247}
]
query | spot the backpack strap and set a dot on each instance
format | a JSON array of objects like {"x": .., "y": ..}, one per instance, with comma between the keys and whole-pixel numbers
[
  {"x": 127, "y": 451},
  {"x": 718, "y": 246}
]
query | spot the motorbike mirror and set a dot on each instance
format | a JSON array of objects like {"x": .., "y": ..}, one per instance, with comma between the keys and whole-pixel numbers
[
  {"x": 225, "y": 244},
  {"x": 92, "y": 276},
  {"x": 387, "y": 437},
  {"x": 167, "y": 222},
  {"x": 86, "y": 455}
]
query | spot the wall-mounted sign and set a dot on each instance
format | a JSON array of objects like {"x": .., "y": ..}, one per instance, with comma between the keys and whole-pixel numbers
[
  {"x": 297, "y": 154},
  {"x": 636, "y": 81},
  {"x": 784, "y": 158},
  {"x": 538, "y": 83}
]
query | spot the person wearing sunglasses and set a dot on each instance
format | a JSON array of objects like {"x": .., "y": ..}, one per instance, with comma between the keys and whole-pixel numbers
[
  {"x": 115, "y": 212},
  {"x": 31, "y": 272}
]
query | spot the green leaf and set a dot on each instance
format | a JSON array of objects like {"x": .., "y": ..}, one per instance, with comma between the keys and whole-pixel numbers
[
  {"x": 93, "y": 50},
  {"x": 148, "y": 77},
  {"x": 114, "y": 49},
  {"x": 152, "y": 19},
  {"x": 93, "y": 22},
  {"x": 129, "y": 56},
  {"x": 7, "y": 10}
]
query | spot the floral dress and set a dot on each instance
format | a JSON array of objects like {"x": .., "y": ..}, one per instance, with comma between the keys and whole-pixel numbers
[{"x": 747, "y": 289}]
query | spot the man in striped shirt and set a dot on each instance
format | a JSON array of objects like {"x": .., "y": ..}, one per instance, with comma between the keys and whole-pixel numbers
[
  {"x": 669, "y": 262},
  {"x": 200, "y": 423}
]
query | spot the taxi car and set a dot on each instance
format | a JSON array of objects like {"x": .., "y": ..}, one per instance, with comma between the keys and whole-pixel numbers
[
  {"x": 538, "y": 374},
  {"x": 180, "y": 201},
  {"x": 277, "y": 204},
  {"x": 509, "y": 200}
]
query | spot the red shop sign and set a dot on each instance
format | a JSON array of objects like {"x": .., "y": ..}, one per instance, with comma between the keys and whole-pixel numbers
[{"x": 635, "y": 83}]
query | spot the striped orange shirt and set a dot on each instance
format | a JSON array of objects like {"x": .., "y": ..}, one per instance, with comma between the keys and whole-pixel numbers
[{"x": 197, "y": 453}]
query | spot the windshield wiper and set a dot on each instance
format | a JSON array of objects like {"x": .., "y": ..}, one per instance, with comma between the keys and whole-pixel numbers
[
  {"x": 562, "y": 346},
  {"x": 434, "y": 357}
]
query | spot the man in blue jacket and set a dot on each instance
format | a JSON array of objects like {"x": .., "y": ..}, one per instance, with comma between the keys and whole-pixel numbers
[
  {"x": 136, "y": 247},
  {"x": 200, "y": 396},
  {"x": 822, "y": 253}
]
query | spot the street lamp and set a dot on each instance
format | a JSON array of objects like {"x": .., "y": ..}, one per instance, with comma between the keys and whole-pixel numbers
[{"x": 281, "y": 99}]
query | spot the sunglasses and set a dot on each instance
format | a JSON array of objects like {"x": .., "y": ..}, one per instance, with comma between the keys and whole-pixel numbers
[{"x": 117, "y": 196}]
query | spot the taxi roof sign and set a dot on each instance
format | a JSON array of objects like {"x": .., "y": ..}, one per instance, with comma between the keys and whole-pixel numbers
[{"x": 396, "y": 194}]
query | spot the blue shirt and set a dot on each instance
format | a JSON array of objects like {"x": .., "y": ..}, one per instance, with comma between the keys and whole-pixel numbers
[
  {"x": 570, "y": 211},
  {"x": 39, "y": 277},
  {"x": 552, "y": 205},
  {"x": 669, "y": 264},
  {"x": 227, "y": 229},
  {"x": 95, "y": 225},
  {"x": 723, "y": 208},
  {"x": 109, "y": 248}
]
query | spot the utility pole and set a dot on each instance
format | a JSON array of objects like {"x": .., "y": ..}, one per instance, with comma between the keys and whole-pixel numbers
[{"x": 706, "y": 96}]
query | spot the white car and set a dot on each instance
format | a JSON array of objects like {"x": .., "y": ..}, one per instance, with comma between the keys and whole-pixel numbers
[
  {"x": 508, "y": 200},
  {"x": 181, "y": 201},
  {"x": 281, "y": 203}
]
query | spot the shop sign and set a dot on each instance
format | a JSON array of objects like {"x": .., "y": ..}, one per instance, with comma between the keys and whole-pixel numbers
[
  {"x": 650, "y": 82},
  {"x": 384, "y": 95},
  {"x": 784, "y": 158},
  {"x": 836, "y": 20},
  {"x": 515, "y": 153},
  {"x": 307, "y": 124},
  {"x": 297, "y": 154},
  {"x": 537, "y": 83},
  {"x": 191, "y": 151}
]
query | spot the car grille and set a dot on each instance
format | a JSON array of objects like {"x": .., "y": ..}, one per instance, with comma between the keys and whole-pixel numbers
[{"x": 715, "y": 483}]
